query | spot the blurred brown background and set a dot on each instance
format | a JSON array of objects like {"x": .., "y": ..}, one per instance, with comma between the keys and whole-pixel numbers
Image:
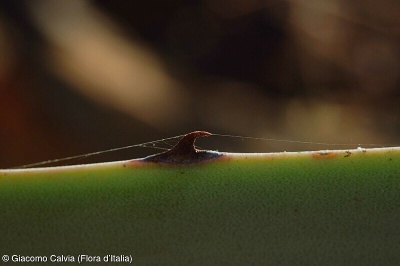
[{"x": 80, "y": 76}]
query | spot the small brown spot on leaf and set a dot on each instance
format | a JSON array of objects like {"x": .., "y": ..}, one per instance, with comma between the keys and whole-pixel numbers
[
  {"x": 347, "y": 154},
  {"x": 323, "y": 155}
]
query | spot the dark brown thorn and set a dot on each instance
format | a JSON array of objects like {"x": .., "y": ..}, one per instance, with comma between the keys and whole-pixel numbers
[
  {"x": 186, "y": 144},
  {"x": 184, "y": 151}
]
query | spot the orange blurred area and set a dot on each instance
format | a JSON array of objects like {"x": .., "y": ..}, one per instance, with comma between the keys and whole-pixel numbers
[{"x": 81, "y": 76}]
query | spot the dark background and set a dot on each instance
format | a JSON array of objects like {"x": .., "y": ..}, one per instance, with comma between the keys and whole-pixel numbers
[{"x": 82, "y": 76}]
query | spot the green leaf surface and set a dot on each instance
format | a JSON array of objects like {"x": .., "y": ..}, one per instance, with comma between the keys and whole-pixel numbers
[{"x": 309, "y": 208}]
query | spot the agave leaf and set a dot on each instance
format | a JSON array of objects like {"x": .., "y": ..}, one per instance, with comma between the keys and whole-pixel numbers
[{"x": 190, "y": 207}]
